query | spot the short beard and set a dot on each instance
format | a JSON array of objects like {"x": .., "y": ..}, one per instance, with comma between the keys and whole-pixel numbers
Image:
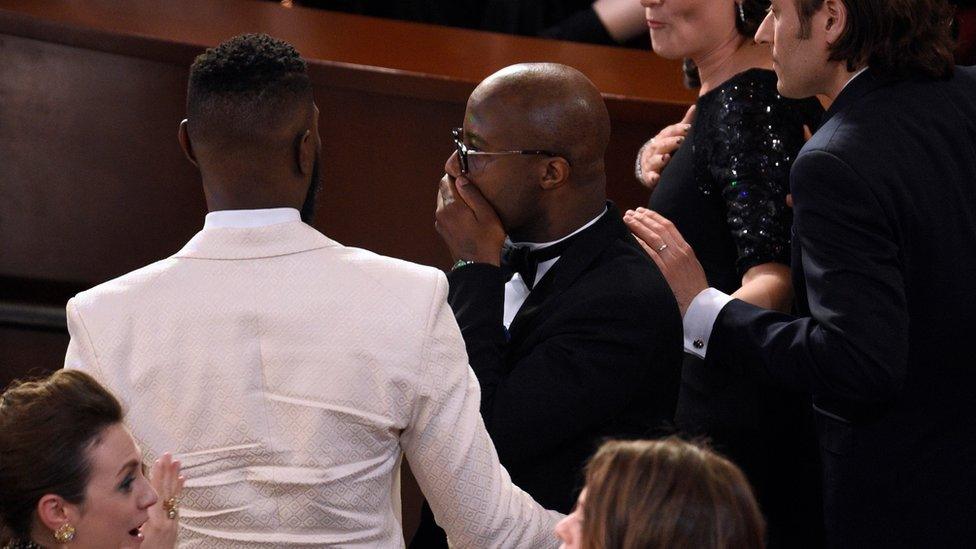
[{"x": 308, "y": 208}]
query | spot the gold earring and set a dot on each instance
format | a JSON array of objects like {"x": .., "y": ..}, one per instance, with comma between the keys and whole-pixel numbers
[{"x": 65, "y": 533}]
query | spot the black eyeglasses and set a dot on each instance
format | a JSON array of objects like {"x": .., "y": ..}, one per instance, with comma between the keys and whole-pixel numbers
[{"x": 464, "y": 151}]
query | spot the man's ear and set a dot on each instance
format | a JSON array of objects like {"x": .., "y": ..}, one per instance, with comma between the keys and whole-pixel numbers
[
  {"x": 306, "y": 147},
  {"x": 836, "y": 20},
  {"x": 556, "y": 173},
  {"x": 184, "y": 138},
  {"x": 52, "y": 512}
]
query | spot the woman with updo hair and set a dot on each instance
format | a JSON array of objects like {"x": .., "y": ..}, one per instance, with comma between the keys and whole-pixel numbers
[
  {"x": 721, "y": 176},
  {"x": 662, "y": 494},
  {"x": 71, "y": 475}
]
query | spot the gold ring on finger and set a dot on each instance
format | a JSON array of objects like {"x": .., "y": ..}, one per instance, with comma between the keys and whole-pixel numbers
[{"x": 172, "y": 507}]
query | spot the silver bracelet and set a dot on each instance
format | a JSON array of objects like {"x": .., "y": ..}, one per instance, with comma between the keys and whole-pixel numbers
[
  {"x": 638, "y": 172},
  {"x": 461, "y": 263}
]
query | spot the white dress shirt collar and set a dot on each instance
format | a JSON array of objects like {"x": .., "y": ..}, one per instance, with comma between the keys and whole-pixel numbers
[
  {"x": 516, "y": 292},
  {"x": 538, "y": 245},
  {"x": 246, "y": 219},
  {"x": 857, "y": 73}
]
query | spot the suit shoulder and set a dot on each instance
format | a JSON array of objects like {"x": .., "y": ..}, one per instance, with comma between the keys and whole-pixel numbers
[
  {"x": 623, "y": 272},
  {"x": 410, "y": 281},
  {"x": 966, "y": 75},
  {"x": 137, "y": 280},
  {"x": 388, "y": 268},
  {"x": 895, "y": 122},
  {"x": 899, "y": 108}
]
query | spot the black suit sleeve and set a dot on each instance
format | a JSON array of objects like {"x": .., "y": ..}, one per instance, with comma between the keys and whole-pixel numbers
[
  {"x": 477, "y": 296},
  {"x": 586, "y": 369},
  {"x": 855, "y": 344}
]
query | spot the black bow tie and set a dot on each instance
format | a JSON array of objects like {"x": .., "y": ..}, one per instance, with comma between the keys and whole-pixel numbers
[{"x": 525, "y": 262}]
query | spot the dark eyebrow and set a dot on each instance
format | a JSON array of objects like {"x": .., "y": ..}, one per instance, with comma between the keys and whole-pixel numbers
[{"x": 131, "y": 464}]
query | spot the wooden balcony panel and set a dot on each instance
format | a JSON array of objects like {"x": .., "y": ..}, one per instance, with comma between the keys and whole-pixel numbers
[{"x": 93, "y": 184}]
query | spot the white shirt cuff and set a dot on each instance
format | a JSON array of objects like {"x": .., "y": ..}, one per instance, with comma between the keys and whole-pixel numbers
[{"x": 700, "y": 317}]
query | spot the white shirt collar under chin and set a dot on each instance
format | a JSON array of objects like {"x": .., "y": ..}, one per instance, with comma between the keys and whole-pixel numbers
[
  {"x": 247, "y": 219},
  {"x": 538, "y": 245},
  {"x": 855, "y": 75}
]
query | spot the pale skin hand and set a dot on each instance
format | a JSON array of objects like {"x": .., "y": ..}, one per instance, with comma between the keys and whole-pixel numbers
[
  {"x": 677, "y": 261},
  {"x": 160, "y": 531},
  {"x": 467, "y": 223},
  {"x": 656, "y": 153},
  {"x": 766, "y": 285}
]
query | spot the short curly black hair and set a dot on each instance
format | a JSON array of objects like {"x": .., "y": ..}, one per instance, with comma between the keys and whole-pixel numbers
[{"x": 243, "y": 84}]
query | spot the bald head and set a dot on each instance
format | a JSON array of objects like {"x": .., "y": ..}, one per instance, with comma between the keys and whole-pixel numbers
[
  {"x": 550, "y": 107},
  {"x": 555, "y": 117}
]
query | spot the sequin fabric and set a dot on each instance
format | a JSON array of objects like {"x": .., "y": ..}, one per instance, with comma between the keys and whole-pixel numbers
[
  {"x": 18, "y": 544},
  {"x": 745, "y": 140}
]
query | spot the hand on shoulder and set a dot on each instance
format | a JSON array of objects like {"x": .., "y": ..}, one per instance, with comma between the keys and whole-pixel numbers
[{"x": 654, "y": 156}]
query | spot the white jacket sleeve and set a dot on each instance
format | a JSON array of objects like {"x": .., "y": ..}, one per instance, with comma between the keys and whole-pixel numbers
[
  {"x": 452, "y": 456},
  {"x": 81, "y": 353}
]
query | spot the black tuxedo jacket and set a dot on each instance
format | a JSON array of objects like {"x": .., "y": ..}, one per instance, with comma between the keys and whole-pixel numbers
[
  {"x": 884, "y": 262},
  {"x": 594, "y": 352}
]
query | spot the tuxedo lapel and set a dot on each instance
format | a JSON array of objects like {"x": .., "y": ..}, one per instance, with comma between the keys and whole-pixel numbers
[{"x": 571, "y": 264}]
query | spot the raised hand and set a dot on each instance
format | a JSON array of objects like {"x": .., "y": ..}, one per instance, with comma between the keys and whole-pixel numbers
[
  {"x": 161, "y": 529},
  {"x": 467, "y": 223},
  {"x": 656, "y": 153}
]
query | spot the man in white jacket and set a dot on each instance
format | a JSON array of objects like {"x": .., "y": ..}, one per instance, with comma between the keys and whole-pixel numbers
[{"x": 287, "y": 372}]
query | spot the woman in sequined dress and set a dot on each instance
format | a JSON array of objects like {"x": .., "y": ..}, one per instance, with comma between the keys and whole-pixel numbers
[{"x": 722, "y": 177}]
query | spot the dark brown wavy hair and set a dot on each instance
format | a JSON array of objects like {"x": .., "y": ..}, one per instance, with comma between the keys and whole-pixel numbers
[
  {"x": 667, "y": 494},
  {"x": 896, "y": 38},
  {"x": 46, "y": 429}
]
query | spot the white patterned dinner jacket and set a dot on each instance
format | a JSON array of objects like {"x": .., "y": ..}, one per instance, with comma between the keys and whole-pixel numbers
[{"x": 288, "y": 372}]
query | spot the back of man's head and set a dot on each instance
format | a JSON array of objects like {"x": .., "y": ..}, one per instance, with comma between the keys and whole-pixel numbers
[
  {"x": 251, "y": 90},
  {"x": 252, "y": 126}
]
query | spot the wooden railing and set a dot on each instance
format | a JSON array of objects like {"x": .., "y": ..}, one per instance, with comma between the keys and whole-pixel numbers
[{"x": 93, "y": 184}]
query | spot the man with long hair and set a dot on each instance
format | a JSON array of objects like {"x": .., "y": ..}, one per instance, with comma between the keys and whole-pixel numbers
[{"x": 884, "y": 260}]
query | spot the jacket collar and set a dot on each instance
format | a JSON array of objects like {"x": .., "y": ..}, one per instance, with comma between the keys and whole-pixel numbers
[
  {"x": 861, "y": 85},
  {"x": 254, "y": 242},
  {"x": 586, "y": 248}
]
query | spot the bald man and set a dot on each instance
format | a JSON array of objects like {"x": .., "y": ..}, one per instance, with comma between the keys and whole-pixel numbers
[
  {"x": 572, "y": 334},
  {"x": 289, "y": 373}
]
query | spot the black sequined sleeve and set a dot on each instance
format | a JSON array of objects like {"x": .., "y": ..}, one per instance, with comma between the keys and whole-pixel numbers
[{"x": 754, "y": 136}]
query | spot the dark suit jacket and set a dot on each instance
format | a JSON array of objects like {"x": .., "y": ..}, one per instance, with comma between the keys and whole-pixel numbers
[
  {"x": 884, "y": 259},
  {"x": 594, "y": 352}
]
